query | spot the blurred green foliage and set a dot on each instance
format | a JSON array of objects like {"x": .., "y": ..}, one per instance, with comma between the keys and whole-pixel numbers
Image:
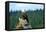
[{"x": 35, "y": 18}]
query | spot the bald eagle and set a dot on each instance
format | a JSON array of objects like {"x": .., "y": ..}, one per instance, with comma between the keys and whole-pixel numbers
[{"x": 23, "y": 22}]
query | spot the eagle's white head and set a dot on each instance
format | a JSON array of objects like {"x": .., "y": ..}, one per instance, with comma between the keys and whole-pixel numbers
[{"x": 23, "y": 10}]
